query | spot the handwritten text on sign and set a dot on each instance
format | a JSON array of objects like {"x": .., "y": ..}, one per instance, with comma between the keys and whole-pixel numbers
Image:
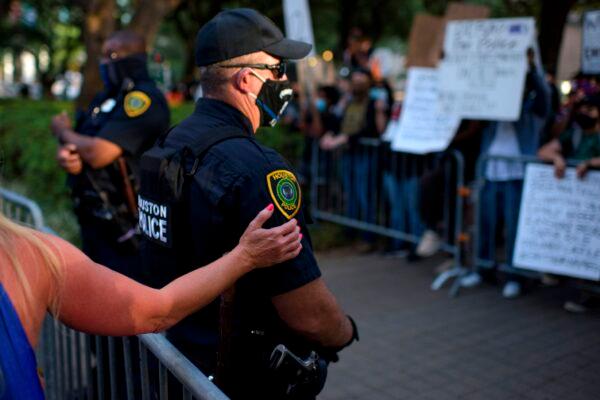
[
  {"x": 590, "y": 52},
  {"x": 483, "y": 71},
  {"x": 559, "y": 223},
  {"x": 422, "y": 128}
]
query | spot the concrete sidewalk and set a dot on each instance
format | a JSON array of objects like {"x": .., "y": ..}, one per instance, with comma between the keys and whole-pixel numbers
[{"x": 419, "y": 344}]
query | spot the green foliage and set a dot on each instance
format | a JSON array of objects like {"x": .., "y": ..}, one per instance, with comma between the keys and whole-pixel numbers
[{"x": 29, "y": 150}]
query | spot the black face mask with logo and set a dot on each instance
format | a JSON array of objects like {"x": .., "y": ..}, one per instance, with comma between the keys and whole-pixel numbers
[
  {"x": 113, "y": 73},
  {"x": 272, "y": 100}
]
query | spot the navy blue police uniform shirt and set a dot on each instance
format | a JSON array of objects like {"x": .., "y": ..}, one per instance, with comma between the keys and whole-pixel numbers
[
  {"x": 132, "y": 120},
  {"x": 229, "y": 189}
]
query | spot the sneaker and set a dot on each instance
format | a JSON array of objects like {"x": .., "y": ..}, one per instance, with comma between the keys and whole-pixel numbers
[
  {"x": 511, "y": 290},
  {"x": 549, "y": 280},
  {"x": 429, "y": 244},
  {"x": 443, "y": 267},
  {"x": 575, "y": 307},
  {"x": 470, "y": 280}
]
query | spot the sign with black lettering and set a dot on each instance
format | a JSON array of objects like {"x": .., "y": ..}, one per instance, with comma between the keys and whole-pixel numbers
[
  {"x": 423, "y": 128},
  {"x": 155, "y": 221},
  {"x": 482, "y": 75},
  {"x": 559, "y": 223},
  {"x": 590, "y": 47}
]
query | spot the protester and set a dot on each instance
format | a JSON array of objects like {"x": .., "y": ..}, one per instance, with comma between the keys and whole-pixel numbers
[
  {"x": 43, "y": 273},
  {"x": 579, "y": 142},
  {"x": 365, "y": 116},
  {"x": 438, "y": 186},
  {"x": 501, "y": 195}
]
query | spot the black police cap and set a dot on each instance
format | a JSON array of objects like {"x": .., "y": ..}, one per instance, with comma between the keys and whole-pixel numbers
[{"x": 234, "y": 33}]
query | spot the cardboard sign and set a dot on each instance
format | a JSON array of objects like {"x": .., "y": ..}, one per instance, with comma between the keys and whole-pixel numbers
[
  {"x": 298, "y": 24},
  {"x": 590, "y": 48},
  {"x": 559, "y": 223},
  {"x": 422, "y": 128},
  {"x": 460, "y": 11},
  {"x": 483, "y": 72},
  {"x": 425, "y": 41}
]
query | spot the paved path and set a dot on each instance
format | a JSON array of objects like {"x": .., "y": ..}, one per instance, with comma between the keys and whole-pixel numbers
[{"x": 419, "y": 344}]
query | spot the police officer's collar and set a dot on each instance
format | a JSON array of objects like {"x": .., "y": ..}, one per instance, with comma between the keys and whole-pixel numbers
[{"x": 227, "y": 114}]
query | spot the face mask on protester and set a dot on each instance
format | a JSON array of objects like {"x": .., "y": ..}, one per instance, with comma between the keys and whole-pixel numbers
[
  {"x": 321, "y": 105},
  {"x": 585, "y": 121},
  {"x": 272, "y": 99},
  {"x": 114, "y": 72}
]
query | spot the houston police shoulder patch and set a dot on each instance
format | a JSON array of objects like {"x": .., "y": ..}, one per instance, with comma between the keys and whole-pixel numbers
[
  {"x": 136, "y": 103},
  {"x": 285, "y": 192}
]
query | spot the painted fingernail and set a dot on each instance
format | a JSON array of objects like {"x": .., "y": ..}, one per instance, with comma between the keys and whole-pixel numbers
[
  {"x": 301, "y": 236},
  {"x": 270, "y": 207}
]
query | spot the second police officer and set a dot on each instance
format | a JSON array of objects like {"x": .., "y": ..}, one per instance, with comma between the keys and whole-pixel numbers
[
  {"x": 272, "y": 336},
  {"x": 101, "y": 152}
]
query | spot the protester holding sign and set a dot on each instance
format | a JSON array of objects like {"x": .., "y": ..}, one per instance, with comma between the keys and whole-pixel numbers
[
  {"x": 581, "y": 141},
  {"x": 504, "y": 179}
]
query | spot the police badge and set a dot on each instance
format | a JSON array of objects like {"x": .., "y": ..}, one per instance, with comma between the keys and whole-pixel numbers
[
  {"x": 136, "y": 103},
  {"x": 285, "y": 192}
]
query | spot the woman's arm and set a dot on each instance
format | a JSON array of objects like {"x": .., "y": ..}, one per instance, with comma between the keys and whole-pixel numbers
[{"x": 98, "y": 300}]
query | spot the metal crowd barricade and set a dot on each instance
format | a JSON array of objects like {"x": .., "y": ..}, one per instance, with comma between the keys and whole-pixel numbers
[
  {"x": 370, "y": 188},
  {"x": 499, "y": 258},
  {"x": 75, "y": 365}
]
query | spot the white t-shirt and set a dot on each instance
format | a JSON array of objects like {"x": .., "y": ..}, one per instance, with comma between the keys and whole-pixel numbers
[{"x": 505, "y": 143}]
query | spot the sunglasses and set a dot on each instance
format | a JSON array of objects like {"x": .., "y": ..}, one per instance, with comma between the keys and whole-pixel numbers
[{"x": 278, "y": 70}]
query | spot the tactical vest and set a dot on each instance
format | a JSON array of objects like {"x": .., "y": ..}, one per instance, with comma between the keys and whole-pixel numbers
[{"x": 165, "y": 173}]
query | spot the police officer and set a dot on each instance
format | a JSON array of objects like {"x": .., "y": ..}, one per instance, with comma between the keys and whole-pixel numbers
[
  {"x": 101, "y": 153},
  {"x": 201, "y": 186}
]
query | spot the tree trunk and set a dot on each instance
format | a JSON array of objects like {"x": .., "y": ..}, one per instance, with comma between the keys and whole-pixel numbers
[
  {"x": 347, "y": 14},
  {"x": 148, "y": 16},
  {"x": 553, "y": 17},
  {"x": 99, "y": 23}
]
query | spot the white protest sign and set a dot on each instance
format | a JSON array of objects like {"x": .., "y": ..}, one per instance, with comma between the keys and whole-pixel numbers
[
  {"x": 590, "y": 47},
  {"x": 559, "y": 223},
  {"x": 298, "y": 24},
  {"x": 482, "y": 75},
  {"x": 422, "y": 128}
]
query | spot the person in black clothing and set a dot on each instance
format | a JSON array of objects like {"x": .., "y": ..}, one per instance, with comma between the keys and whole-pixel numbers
[
  {"x": 210, "y": 176},
  {"x": 101, "y": 152}
]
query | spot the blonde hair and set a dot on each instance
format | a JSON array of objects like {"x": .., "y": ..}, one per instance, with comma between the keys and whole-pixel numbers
[{"x": 9, "y": 232}]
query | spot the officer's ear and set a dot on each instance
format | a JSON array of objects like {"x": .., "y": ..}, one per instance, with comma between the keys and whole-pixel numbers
[{"x": 243, "y": 81}]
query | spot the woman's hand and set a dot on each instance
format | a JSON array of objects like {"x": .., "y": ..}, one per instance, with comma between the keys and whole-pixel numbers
[{"x": 261, "y": 247}]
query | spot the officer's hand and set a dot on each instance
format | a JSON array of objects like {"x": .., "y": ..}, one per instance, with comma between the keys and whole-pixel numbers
[
  {"x": 60, "y": 122},
  {"x": 266, "y": 247},
  {"x": 69, "y": 159}
]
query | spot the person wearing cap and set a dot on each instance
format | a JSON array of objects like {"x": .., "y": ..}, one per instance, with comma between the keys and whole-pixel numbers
[
  {"x": 101, "y": 151},
  {"x": 223, "y": 175}
]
